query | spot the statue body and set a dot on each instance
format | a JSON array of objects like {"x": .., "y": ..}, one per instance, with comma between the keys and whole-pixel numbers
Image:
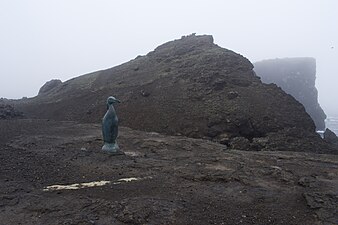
[{"x": 110, "y": 127}]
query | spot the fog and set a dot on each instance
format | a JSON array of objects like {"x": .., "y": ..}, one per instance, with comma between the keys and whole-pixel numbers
[{"x": 41, "y": 40}]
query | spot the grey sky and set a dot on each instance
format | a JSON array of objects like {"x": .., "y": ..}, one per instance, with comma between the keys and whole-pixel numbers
[{"x": 45, "y": 39}]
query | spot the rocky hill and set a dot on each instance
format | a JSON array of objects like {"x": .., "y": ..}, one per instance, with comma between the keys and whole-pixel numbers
[
  {"x": 189, "y": 87},
  {"x": 296, "y": 76}
]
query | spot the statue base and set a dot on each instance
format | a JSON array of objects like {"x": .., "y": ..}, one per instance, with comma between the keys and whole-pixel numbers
[{"x": 112, "y": 148}]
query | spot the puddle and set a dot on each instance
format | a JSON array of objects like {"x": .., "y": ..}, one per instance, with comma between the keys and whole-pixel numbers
[{"x": 91, "y": 184}]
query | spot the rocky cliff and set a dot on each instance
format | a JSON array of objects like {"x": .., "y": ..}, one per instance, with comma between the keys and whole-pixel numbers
[
  {"x": 296, "y": 76},
  {"x": 189, "y": 87}
]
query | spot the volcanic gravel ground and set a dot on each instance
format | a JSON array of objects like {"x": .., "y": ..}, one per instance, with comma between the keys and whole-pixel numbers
[{"x": 165, "y": 180}]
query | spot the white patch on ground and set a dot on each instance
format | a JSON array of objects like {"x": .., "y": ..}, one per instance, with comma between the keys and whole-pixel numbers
[
  {"x": 91, "y": 184},
  {"x": 133, "y": 154},
  {"x": 129, "y": 179},
  {"x": 218, "y": 167}
]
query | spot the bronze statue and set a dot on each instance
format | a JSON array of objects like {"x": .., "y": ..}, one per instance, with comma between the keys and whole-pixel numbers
[{"x": 110, "y": 127}]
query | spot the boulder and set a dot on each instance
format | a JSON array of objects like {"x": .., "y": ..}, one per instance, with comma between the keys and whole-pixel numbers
[
  {"x": 330, "y": 136},
  {"x": 49, "y": 85}
]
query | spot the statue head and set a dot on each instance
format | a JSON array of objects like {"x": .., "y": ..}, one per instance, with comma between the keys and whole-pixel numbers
[{"x": 112, "y": 100}]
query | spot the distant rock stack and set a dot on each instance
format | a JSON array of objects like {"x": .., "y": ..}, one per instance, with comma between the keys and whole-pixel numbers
[{"x": 296, "y": 76}]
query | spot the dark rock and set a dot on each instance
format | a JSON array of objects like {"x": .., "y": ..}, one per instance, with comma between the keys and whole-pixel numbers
[
  {"x": 325, "y": 204},
  {"x": 318, "y": 200},
  {"x": 9, "y": 112},
  {"x": 307, "y": 181},
  {"x": 48, "y": 86},
  {"x": 291, "y": 139},
  {"x": 240, "y": 143},
  {"x": 224, "y": 139},
  {"x": 296, "y": 76},
  {"x": 232, "y": 94},
  {"x": 144, "y": 93},
  {"x": 330, "y": 136},
  {"x": 259, "y": 143}
]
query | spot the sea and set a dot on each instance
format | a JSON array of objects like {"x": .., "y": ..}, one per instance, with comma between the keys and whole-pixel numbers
[{"x": 332, "y": 123}]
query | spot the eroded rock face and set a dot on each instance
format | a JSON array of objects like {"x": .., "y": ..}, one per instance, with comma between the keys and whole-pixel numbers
[
  {"x": 189, "y": 87},
  {"x": 48, "y": 86},
  {"x": 296, "y": 76}
]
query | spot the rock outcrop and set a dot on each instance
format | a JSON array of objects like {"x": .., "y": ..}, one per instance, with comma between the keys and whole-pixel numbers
[
  {"x": 8, "y": 112},
  {"x": 330, "y": 136},
  {"x": 296, "y": 76},
  {"x": 189, "y": 87},
  {"x": 49, "y": 85}
]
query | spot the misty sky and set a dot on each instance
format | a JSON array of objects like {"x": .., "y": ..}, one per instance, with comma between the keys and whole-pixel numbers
[{"x": 45, "y": 39}]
